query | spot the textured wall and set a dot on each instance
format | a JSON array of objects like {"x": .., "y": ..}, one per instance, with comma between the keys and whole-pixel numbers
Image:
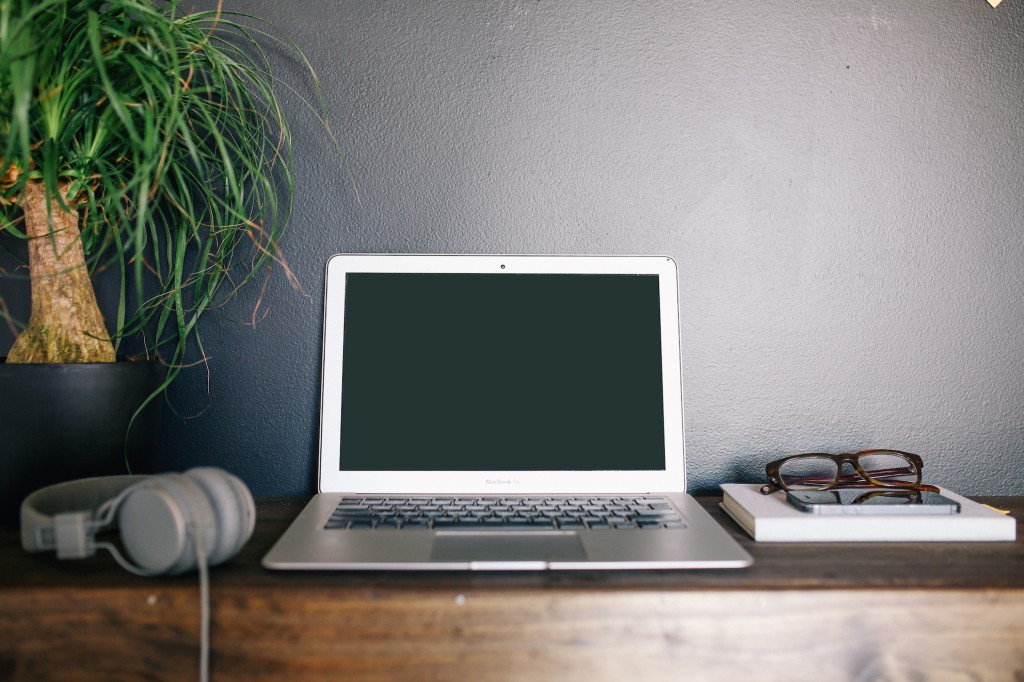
[{"x": 839, "y": 183}]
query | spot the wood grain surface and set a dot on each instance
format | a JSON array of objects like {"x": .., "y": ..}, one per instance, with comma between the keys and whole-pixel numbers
[{"x": 863, "y": 612}]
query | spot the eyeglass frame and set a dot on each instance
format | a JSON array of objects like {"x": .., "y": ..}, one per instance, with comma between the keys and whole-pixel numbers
[{"x": 775, "y": 480}]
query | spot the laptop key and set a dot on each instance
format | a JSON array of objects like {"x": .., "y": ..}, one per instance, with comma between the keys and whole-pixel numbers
[
  {"x": 362, "y": 524},
  {"x": 510, "y": 525},
  {"x": 655, "y": 518},
  {"x": 348, "y": 518},
  {"x": 514, "y": 525}
]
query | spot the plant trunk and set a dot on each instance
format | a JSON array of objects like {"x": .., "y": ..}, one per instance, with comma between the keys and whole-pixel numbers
[{"x": 66, "y": 325}]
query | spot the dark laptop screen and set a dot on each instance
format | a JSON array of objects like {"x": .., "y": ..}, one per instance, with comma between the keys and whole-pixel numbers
[{"x": 502, "y": 372}]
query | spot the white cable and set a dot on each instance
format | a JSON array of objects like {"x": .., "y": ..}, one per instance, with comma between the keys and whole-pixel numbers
[{"x": 204, "y": 606}]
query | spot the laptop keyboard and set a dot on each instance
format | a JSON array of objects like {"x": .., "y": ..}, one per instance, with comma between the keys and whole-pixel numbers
[{"x": 490, "y": 513}]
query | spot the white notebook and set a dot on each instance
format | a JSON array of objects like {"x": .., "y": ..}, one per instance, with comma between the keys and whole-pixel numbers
[{"x": 770, "y": 518}]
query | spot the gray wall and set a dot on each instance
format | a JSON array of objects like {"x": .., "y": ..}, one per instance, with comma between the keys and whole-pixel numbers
[{"x": 838, "y": 181}]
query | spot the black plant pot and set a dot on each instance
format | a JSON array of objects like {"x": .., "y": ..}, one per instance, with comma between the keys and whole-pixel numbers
[{"x": 63, "y": 422}]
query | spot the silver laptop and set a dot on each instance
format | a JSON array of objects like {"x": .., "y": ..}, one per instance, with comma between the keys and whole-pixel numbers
[{"x": 502, "y": 413}]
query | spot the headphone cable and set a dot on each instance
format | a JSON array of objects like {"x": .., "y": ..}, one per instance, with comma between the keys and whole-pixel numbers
[{"x": 204, "y": 606}]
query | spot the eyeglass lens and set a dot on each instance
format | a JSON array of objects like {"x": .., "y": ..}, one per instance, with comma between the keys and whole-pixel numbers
[
  {"x": 889, "y": 467},
  {"x": 808, "y": 473},
  {"x": 882, "y": 468}
]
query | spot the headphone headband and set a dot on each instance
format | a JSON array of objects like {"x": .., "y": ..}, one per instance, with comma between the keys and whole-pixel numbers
[{"x": 61, "y": 516}]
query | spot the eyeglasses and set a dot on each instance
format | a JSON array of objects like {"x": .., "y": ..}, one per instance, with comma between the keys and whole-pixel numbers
[{"x": 822, "y": 471}]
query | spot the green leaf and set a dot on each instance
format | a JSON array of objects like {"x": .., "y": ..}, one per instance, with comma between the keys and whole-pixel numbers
[{"x": 171, "y": 126}]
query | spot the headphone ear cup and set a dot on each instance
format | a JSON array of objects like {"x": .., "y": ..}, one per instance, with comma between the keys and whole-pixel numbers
[
  {"x": 234, "y": 511},
  {"x": 155, "y": 521}
]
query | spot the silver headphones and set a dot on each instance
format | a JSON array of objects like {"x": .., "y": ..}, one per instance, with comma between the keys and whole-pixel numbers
[{"x": 169, "y": 524}]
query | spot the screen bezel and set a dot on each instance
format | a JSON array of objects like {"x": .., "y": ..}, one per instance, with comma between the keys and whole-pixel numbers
[{"x": 334, "y": 479}]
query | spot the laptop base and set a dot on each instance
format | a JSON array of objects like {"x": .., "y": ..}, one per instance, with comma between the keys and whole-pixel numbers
[{"x": 309, "y": 545}]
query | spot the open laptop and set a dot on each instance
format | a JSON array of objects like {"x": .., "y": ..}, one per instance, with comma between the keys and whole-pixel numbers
[{"x": 502, "y": 413}]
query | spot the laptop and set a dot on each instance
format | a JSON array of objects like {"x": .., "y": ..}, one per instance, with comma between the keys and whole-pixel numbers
[{"x": 502, "y": 413}]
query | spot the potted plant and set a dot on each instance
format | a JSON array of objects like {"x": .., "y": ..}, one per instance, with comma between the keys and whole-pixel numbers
[{"x": 139, "y": 139}]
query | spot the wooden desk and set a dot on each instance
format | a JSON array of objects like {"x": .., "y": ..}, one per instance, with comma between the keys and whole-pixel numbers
[{"x": 952, "y": 611}]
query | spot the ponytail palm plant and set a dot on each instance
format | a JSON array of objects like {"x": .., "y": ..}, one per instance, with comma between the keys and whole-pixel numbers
[{"x": 141, "y": 138}]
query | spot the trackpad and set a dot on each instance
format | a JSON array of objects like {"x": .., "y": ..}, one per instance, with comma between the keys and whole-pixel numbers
[{"x": 507, "y": 546}]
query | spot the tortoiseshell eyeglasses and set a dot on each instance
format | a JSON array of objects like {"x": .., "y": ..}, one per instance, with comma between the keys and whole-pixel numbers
[{"x": 823, "y": 471}]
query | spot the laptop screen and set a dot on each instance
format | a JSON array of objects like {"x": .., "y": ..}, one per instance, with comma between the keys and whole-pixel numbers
[{"x": 502, "y": 372}]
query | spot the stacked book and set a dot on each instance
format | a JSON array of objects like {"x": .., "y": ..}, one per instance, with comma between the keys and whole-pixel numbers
[{"x": 771, "y": 518}]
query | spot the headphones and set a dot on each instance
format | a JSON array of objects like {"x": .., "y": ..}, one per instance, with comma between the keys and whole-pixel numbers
[{"x": 168, "y": 524}]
